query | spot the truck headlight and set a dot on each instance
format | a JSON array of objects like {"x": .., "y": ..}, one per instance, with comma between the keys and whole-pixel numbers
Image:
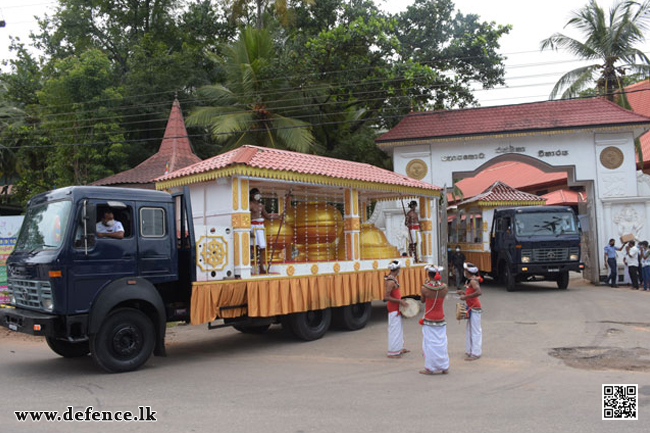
[
  {"x": 573, "y": 257},
  {"x": 525, "y": 259},
  {"x": 47, "y": 304}
]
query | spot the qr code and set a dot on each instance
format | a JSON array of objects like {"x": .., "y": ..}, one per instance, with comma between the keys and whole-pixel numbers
[{"x": 620, "y": 402}]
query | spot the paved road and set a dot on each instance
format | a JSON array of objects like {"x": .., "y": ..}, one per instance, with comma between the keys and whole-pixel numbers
[{"x": 224, "y": 381}]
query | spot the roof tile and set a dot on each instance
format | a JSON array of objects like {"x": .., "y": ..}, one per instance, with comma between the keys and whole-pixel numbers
[
  {"x": 284, "y": 160},
  {"x": 537, "y": 116}
]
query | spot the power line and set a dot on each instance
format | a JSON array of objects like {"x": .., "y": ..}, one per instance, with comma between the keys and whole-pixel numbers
[{"x": 307, "y": 125}]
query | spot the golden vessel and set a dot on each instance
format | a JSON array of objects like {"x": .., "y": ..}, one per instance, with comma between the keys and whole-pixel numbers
[
  {"x": 284, "y": 239},
  {"x": 317, "y": 222},
  {"x": 374, "y": 244}
]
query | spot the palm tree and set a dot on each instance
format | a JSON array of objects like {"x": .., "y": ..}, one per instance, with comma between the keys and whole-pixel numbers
[
  {"x": 253, "y": 104},
  {"x": 610, "y": 42}
]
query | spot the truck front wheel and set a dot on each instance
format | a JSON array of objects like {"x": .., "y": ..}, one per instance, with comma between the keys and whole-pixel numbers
[
  {"x": 563, "y": 280},
  {"x": 124, "y": 341},
  {"x": 509, "y": 278},
  {"x": 68, "y": 349},
  {"x": 311, "y": 325}
]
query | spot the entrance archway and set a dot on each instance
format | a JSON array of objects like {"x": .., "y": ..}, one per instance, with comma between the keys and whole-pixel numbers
[{"x": 592, "y": 140}]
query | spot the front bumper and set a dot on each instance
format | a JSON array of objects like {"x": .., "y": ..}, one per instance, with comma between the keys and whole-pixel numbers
[
  {"x": 30, "y": 322},
  {"x": 549, "y": 268}
]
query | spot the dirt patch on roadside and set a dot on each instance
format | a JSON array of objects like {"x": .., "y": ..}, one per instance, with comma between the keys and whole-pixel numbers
[
  {"x": 604, "y": 358},
  {"x": 18, "y": 337}
]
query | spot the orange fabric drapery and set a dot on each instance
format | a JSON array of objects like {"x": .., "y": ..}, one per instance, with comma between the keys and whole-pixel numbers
[{"x": 278, "y": 296}]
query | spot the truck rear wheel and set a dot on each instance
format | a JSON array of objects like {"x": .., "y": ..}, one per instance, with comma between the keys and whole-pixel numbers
[
  {"x": 124, "y": 341},
  {"x": 311, "y": 325},
  {"x": 68, "y": 349},
  {"x": 563, "y": 280},
  {"x": 352, "y": 317}
]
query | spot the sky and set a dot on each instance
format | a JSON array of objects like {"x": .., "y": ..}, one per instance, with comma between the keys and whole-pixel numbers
[{"x": 530, "y": 74}]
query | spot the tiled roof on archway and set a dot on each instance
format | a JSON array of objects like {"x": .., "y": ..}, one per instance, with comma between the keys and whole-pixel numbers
[{"x": 510, "y": 119}]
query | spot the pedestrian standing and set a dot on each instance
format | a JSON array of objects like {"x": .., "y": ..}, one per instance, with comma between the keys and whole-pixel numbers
[
  {"x": 473, "y": 330},
  {"x": 610, "y": 261},
  {"x": 645, "y": 264},
  {"x": 632, "y": 261},
  {"x": 394, "y": 298},
  {"x": 434, "y": 326},
  {"x": 457, "y": 260}
]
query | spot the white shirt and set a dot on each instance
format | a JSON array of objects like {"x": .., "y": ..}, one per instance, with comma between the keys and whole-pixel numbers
[
  {"x": 115, "y": 228},
  {"x": 632, "y": 257}
]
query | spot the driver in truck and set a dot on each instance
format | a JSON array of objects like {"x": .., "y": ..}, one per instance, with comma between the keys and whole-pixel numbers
[{"x": 108, "y": 227}]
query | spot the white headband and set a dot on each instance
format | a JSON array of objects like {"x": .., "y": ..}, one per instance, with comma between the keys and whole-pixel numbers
[
  {"x": 470, "y": 268},
  {"x": 433, "y": 268},
  {"x": 394, "y": 265}
]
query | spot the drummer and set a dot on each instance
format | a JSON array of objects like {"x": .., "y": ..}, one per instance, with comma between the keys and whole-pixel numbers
[
  {"x": 394, "y": 298},
  {"x": 470, "y": 294},
  {"x": 434, "y": 326}
]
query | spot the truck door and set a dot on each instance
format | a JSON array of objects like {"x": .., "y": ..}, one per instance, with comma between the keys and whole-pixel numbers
[
  {"x": 156, "y": 250},
  {"x": 104, "y": 259}
]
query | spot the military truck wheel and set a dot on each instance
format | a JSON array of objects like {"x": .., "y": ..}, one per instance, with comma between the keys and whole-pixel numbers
[
  {"x": 563, "y": 280},
  {"x": 311, "y": 325},
  {"x": 352, "y": 317},
  {"x": 252, "y": 329},
  {"x": 508, "y": 278},
  {"x": 68, "y": 349},
  {"x": 124, "y": 341}
]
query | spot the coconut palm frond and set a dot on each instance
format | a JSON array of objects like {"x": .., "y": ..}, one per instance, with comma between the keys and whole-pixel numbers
[
  {"x": 294, "y": 134},
  {"x": 565, "y": 84},
  {"x": 206, "y": 116}
]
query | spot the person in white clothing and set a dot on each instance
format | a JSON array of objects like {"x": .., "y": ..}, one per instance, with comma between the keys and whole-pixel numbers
[
  {"x": 258, "y": 232},
  {"x": 393, "y": 297},
  {"x": 631, "y": 259},
  {"x": 108, "y": 227}
]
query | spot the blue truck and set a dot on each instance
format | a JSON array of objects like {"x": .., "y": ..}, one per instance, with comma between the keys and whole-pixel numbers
[{"x": 535, "y": 243}]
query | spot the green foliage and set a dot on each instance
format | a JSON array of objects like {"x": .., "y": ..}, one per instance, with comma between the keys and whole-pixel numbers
[
  {"x": 77, "y": 113},
  {"x": 322, "y": 76},
  {"x": 251, "y": 107},
  {"x": 610, "y": 41}
]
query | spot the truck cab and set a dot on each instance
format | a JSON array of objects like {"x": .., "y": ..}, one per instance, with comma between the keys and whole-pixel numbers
[
  {"x": 79, "y": 290},
  {"x": 534, "y": 243}
]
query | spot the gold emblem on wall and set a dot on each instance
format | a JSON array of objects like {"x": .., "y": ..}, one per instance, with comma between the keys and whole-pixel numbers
[
  {"x": 314, "y": 269},
  {"x": 337, "y": 268},
  {"x": 375, "y": 265},
  {"x": 357, "y": 266},
  {"x": 290, "y": 270},
  {"x": 416, "y": 169},
  {"x": 212, "y": 253},
  {"x": 611, "y": 157},
  {"x": 408, "y": 263}
]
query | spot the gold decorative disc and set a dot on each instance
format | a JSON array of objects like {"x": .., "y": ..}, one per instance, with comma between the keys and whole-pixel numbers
[
  {"x": 416, "y": 169},
  {"x": 611, "y": 157}
]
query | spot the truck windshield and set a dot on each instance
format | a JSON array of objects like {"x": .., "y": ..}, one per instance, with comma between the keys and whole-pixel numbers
[
  {"x": 44, "y": 226},
  {"x": 545, "y": 223}
]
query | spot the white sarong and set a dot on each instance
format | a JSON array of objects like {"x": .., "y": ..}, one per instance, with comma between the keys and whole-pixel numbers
[
  {"x": 259, "y": 233},
  {"x": 434, "y": 348},
  {"x": 474, "y": 334},
  {"x": 415, "y": 237},
  {"x": 395, "y": 333}
]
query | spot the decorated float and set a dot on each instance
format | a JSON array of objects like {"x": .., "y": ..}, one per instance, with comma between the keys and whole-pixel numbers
[{"x": 321, "y": 253}]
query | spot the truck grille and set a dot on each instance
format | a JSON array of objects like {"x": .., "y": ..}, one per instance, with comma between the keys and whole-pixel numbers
[
  {"x": 550, "y": 254},
  {"x": 29, "y": 293}
]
